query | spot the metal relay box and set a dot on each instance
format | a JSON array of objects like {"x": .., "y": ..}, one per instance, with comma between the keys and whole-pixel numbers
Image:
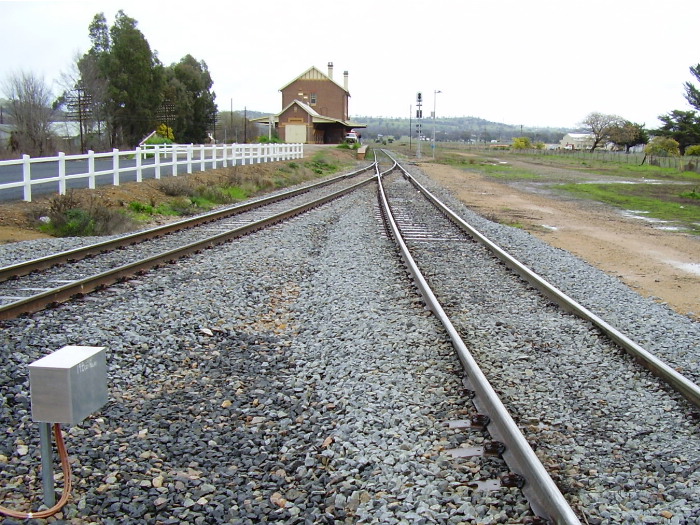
[{"x": 69, "y": 384}]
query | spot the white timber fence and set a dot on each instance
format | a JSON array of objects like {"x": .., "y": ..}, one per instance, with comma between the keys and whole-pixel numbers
[{"x": 146, "y": 162}]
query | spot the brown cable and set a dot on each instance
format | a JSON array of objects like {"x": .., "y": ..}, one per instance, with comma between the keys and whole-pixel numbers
[{"x": 66, "y": 488}]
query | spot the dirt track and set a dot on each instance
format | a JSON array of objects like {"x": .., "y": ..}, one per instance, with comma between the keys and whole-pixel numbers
[{"x": 654, "y": 262}]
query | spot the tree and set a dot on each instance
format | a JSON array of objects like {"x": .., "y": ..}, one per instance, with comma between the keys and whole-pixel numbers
[
  {"x": 628, "y": 134},
  {"x": 134, "y": 82},
  {"x": 30, "y": 112},
  {"x": 662, "y": 147},
  {"x": 692, "y": 94},
  {"x": 682, "y": 126},
  {"x": 600, "y": 126},
  {"x": 189, "y": 101},
  {"x": 94, "y": 82}
]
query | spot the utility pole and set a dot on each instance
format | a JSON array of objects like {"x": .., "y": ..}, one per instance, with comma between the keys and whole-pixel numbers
[
  {"x": 419, "y": 116},
  {"x": 410, "y": 126},
  {"x": 434, "y": 115}
]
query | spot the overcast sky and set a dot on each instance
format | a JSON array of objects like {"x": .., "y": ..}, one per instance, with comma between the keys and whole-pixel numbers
[{"x": 521, "y": 62}]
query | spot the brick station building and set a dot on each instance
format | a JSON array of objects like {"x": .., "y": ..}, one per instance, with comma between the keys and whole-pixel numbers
[{"x": 314, "y": 109}]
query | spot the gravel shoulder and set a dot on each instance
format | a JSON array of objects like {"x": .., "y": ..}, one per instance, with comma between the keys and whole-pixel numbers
[{"x": 656, "y": 263}]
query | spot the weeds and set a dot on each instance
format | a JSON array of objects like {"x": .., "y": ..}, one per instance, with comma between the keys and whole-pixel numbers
[
  {"x": 75, "y": 214},
  {"x": 70, "y": 216}
]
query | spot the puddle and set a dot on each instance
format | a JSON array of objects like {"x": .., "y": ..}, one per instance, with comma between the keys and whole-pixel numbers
[
  {"x": 608, "y": 181},
  {"x": 640, "y": 214},
  {"x": 659, "y": 224},
  {"x": 693, "y": 268}
]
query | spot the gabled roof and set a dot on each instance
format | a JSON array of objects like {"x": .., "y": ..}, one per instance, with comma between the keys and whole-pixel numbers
[
  {"x": 314, "y": 73},
  {"x": 315, "y": 116}
]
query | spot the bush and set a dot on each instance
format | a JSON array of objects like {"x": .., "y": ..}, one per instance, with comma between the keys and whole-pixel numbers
[
  {"x": 693, "y": 151},
  {"x": 662, "y": 147},
  {"x": 522, "y": 143},
  {"x": 69, "y": 216},
  {"x": 262, "y": 139}
]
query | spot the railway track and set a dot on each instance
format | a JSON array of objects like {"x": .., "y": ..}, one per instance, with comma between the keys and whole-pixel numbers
[
  {"x": 429, "y": 231},
  {"x": 32, "y": 285},
  {"x": 489, "y": 316}
]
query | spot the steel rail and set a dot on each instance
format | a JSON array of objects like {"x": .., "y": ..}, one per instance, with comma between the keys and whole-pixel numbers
[
  {"x": 84, "y": 286},
  {"x": 676, "y": 380},
  {"x": 43, "y": 263},
  {"x": 542, "y": 493}
]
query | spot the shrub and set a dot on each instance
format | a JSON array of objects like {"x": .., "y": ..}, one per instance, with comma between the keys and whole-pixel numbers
[
  {"x": 522, "y": 143},
  {"x": 662, "y": 147},
  {"x": 69, "y": 216},
  {"x": 166, "y": 132},
  {"x": 693, "y": 151},
  {"x": 262, "y": 139}
]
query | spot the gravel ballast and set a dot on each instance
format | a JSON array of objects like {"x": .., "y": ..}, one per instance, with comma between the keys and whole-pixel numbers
[{"x": 294, "y": 376}]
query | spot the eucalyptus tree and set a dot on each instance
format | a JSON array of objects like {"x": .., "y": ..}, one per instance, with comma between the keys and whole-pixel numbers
[
  {"x": 188, "y": 100},
  {"x": 134, "y": 82}
]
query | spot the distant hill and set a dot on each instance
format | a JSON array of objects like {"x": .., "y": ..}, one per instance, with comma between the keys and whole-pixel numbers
[
  {"x": 447, "y": 129},
  {"x": 457, "y": 129}
]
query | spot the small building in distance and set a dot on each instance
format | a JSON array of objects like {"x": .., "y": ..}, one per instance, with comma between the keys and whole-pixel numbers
[
  {"x": 314, "y": 109},
  {"x": 577, "y": 141}
]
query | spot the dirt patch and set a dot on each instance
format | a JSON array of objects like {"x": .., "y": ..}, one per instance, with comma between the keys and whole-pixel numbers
[{"x": 656, "y": 263}]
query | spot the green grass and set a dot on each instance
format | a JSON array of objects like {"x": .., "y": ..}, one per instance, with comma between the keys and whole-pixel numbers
[
  {"x": 668, "y": 202},
  {"x": 609, "y": 168},
  {"x": 488, "y": 167},
  {"x": 71, "y": 215}
]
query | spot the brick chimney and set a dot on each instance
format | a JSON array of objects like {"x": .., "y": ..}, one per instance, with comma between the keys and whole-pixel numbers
[
  {"x": 330, "y": 70},
  {"x": 345, "y": 80}
]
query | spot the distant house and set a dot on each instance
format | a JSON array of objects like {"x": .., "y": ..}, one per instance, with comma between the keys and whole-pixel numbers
[
  {"x": 314, "y": 109},
  {"x": 577, "y": 141}
]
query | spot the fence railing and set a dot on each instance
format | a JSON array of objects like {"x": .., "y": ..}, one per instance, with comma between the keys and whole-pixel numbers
[
  {"x": 151, "y": 161},
  {"x": 684, "y": 163}
]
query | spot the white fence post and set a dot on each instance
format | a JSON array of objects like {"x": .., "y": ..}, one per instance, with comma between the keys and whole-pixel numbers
[
  {"x": 232, "y": 154},
  {"x": 115, "y": 167},
  {"x": 174, "y": 171},
  {"x": 61, "y": 173},
  {"x": 91, "y": 169},
  {"x": 157, "y": 164},
  {"x": 27, "y": 177},
  {"x": 189, "y": 159},
  {"x": 139, "y": 175}
]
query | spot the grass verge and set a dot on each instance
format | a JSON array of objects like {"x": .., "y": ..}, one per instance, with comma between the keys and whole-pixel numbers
[
  {"x": 668, "y": 202},
  {"x": 84, "y": 213}
]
